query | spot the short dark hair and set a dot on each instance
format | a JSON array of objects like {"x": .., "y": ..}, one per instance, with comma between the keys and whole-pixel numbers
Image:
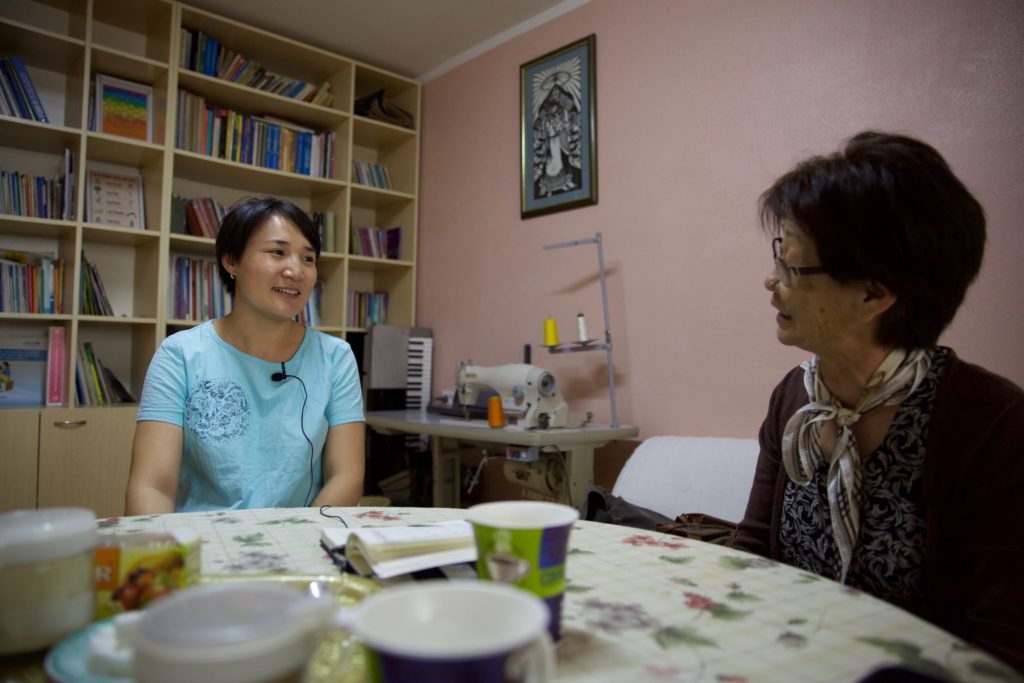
[
  {"x": 887, "y": 208},
  {"x": 248, "y": 214}
]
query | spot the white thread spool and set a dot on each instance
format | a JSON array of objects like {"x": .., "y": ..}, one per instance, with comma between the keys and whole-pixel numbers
[{"x": 581, "y": 328}]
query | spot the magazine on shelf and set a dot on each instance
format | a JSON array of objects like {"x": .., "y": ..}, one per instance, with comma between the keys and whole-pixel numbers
[
  {"x": 22, "y": 370},
  {"x": 114, "y": 196},
  {"x": 123, "y": 108},
  {"x": 386, "y": 552}
]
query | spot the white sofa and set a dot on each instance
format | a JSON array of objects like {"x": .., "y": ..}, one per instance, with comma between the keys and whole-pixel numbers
[{"x": 681, "y": 474}]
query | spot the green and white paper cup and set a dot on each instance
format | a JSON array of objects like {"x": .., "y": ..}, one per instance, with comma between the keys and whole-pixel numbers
[{"x": 524, "y": 543}]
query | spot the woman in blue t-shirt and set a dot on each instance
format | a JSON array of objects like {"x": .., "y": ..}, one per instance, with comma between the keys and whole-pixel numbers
[{"x": 252, "y": 409}]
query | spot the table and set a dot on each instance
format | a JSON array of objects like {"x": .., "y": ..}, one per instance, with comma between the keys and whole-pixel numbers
[
  {"x": 577, "y": 443},
  {"x": 641, "y": 606}
]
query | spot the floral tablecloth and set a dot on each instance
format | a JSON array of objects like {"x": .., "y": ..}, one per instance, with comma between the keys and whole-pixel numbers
[{"x": 641, "y": 606}]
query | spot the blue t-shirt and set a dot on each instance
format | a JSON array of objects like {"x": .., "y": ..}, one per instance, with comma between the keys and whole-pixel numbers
[{"x": 243, "y": 444}]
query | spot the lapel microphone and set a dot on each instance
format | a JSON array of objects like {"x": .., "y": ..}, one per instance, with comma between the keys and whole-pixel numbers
[{"x": 279, "y": 376}]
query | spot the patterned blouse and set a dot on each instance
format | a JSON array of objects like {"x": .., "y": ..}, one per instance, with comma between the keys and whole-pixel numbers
[{"x": 889, "y": 553}]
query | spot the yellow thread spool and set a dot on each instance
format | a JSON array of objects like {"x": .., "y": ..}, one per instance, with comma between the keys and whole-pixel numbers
[
  {"x": 495, "y": 413},
  {"x": 550, "y": 332}
]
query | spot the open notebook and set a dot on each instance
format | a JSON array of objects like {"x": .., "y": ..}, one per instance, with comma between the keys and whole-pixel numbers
[{"x": 386, "y": 552}]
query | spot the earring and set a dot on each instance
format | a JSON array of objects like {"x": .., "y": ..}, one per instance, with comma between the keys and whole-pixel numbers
[{"x": 232, "y": 276}]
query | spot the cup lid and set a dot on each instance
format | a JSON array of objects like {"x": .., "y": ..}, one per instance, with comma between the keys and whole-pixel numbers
[{"x": 48, "y": 533}]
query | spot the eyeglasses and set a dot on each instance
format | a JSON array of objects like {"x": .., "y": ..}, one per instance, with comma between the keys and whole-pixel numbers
[{"x": 786, "y": 271}]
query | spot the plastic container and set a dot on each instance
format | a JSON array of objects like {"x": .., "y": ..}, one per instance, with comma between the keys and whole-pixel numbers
[
  {"x": 245, "y": 632},
  {"x": 46, "y": 576}
]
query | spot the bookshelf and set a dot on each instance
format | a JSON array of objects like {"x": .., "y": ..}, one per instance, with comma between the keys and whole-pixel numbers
[{"x": 65, "y": 44}]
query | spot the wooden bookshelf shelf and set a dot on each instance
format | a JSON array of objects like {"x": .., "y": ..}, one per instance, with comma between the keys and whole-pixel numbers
[{"x": 66, "y": 43}]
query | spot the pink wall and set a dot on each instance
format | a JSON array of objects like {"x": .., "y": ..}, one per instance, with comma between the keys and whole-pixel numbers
[{"x": 700, "y": 106}]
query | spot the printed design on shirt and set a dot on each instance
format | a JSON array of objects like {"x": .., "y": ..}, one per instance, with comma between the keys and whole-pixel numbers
[{"x": 218, "y": 410}]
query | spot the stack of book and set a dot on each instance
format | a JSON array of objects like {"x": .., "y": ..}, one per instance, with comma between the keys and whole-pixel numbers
[
  {"x": 199, "y": 217},
  {"x": 30, "y": 282},
  {"x": 377, "y": 242},
  {"x": 18, "y": 96},
  {"x": 372, "y": 174},
  {"x": 265, "y": 141},
  {"x": 310, "y": 315},
  {"x": 366, "y": 309},
  {"x": 197, "y": 292},
  {"x": 205, "y": 54},
  {"x": 22, "y": 194},
  {"x": 94, "y": 296},
  {"x": 324, "y": 221},
  {"x": 95, "y": 384}
]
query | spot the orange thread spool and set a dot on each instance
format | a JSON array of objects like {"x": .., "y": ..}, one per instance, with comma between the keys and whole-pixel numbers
[{"x": 495, "y": 413}]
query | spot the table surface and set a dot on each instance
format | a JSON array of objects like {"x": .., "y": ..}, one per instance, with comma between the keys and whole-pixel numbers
[
  {"x": 640, "y": 605},
  {"x": 423, "y": 422}
]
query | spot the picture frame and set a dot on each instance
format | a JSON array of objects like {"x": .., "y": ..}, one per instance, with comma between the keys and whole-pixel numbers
[
  {"x": 558, "y": 129},
  {"x": 123, "y": 108},
  {"x": 115, "y": 196}
]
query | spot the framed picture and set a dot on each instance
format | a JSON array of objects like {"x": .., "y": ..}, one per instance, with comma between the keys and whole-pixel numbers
[
  {"x": 124, "y": 108},
  {"x": 114, "y": 196},
  {"x": 558, "y": 129}
]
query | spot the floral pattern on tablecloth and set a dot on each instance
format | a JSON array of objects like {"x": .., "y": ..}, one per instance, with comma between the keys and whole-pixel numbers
[{"x": 640, "y": 606}]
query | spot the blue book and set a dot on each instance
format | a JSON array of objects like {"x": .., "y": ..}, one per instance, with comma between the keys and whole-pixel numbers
[
  {"x": 30, "y": 90},
  {"x": 274, "y": 145}
]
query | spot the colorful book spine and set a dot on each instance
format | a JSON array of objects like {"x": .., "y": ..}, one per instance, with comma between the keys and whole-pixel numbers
[{"x": 55, "y": 364}]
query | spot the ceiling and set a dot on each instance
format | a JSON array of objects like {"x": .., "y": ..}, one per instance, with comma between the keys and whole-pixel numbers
[{"x": 417, "y": 38}]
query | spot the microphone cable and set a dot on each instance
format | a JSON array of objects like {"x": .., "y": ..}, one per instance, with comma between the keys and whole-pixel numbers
[{"x": 282, "y": 377}]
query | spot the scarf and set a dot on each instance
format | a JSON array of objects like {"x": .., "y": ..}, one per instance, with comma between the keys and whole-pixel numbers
[{"x": 898, "y": 376}]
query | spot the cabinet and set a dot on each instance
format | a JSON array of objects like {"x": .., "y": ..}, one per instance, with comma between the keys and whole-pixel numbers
[
  {"x": 65, "y": 44},
  {"x": 66, "y": 456}
]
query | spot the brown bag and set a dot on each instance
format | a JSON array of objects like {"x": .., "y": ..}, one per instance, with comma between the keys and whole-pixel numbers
[{"x": 701, "y": 527}]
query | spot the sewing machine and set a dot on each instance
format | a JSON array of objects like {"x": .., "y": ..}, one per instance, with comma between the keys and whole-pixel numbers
[{"x": 528, "y": 393}]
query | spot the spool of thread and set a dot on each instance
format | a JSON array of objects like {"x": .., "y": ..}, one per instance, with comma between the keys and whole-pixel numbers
[
  {"x": 581, "y": 328},
  {"x": 495, "y": 413},
  {"x": 550, "y": 332}
]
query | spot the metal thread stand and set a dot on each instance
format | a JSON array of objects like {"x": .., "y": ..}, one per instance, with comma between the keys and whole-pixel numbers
[{"x": 585, "y": 346}]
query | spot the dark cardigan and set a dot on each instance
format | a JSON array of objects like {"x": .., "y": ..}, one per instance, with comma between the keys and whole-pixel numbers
[{"x": 973, "y": 574}]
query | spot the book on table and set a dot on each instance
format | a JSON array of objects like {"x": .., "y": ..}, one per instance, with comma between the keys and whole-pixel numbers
[{"x": 386, "y": 552}]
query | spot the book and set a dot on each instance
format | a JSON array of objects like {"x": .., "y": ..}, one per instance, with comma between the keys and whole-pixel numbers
[
  {"x": 22, "y": 371},
  {"x": 386, "y": 552},
  {"x": 55, "y": 367},
  {"x": 38, "y": 113}
]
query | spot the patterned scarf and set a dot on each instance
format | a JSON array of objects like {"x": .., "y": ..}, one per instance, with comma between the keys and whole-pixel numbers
[{"x": 897, "y": 377}]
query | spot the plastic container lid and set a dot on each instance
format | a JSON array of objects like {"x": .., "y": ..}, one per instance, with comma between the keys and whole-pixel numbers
[
  {"x": 28, "y": 536},
  {"x": 229, "y": 620}
]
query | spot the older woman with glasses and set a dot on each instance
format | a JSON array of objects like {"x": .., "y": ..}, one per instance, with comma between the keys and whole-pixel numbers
[{"x": 887, "y": 462}]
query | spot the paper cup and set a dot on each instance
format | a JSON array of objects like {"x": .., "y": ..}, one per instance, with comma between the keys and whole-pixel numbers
[
  {"x": 453, "y": 631},
  {"x": 524, "y": 543}
]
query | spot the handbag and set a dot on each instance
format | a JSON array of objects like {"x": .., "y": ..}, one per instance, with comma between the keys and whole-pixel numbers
[
  {"x": 601, "y": 505},
  {"x": 702, "y": 527}
]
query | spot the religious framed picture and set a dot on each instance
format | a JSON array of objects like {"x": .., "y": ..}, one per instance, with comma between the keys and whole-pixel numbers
[{"x": 558, "y": 129}]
